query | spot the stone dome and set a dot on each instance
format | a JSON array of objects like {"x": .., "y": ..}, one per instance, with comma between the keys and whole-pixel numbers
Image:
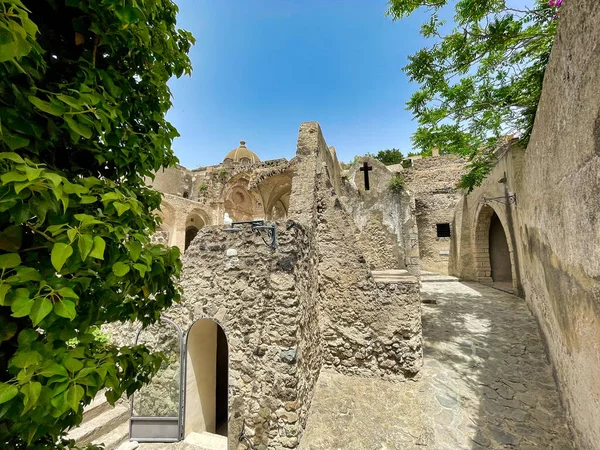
[{"x": 241, "y": 154}]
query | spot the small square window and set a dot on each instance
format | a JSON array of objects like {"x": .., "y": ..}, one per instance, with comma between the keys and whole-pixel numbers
[{"x": 443, "y": 230}]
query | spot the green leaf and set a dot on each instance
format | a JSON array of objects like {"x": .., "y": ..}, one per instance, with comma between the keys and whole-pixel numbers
[
  {"x": 7, "y": 392},
  {"x": 14, "y": 157},
  {"x": 141, "y": 268},
  {"x": 31, "y": 391},
  {"x": 22, "y": 304},
  {"x": 52, "y": 368},
  {"x": 98, "y": 248},
  {"x": 9, "y": 260},
  {"x": 74, "y": 365},
  {"x": 78, "y": 128},
  {"x": 72, "y": 234},
  {"x": 73, "y": 396},
  {"x": 135, "y": 248},
  {"x": 4, "y": 288},
  {"x": 46, "y": 107},
  {"x": 65, "y": 308},
  {"x": 67, "y": 292},
  {"x": 120, "y": 269},
  {"x": 86, "y": 199},
  {"x": 121, "y": 208},
  {"x": 14, "y": 141},
  {"x": 11, "y": 238},
  {"x": 28, "y": 274},
  {"x": 13, "y": 177},
  {"x": 40, "y": 309},
  {"x": 85, "y": 244},
  {"x": 60, "y": 254},
  {"x": 55, "y": 178},
  {"x": 26, "y": 359}
]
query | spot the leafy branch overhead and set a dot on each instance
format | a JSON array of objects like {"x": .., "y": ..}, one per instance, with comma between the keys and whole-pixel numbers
[
  {"x": 83, "y": 98},
  {"x": 481, "y": 78}
]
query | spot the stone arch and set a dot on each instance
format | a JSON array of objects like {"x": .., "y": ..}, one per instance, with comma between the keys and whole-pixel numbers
[
  {"x": 487, "y": 216},
  {"x": 276, "y": 192},
  {"x": 240, "y": 202},
  {"x": 164, "y": 232},
  {"x": 195, "y": 220},
  {"x": 207, "y": 378}
]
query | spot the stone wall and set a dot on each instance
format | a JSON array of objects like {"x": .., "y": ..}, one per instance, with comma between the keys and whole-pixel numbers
[
  {"x": 367, "y": 329},
  {"x": 385, "y": 219},
  {"x": 433, "y": 182},
  {"x": 554, "y": 227},
  {"x": 258, "y": 296}
]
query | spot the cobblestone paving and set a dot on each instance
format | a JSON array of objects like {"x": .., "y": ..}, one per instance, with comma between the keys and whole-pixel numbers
[
  {"x": 486, "y": 372},
  {"x": 486, "y": 384}
]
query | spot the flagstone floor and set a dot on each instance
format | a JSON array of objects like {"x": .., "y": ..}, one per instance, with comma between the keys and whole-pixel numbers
[{"x": 486, "y": 383}]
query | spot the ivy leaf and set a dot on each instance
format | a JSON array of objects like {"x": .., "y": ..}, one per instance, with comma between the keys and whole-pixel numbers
[
  {"x": 98, "y": 248},
  {"x": 73, "y": 396},
  {"x": 60, "y": 254},
  {"x": 135, "y": 249},
  {"x": 9, "y": 260},
  {"x": 120, "y": 269},
  {"x": 65, "y": 308},
  {"x": 7, "y": 392},
  {"x": 12, "y": 156},
  {"x": 40, "y": 309}
]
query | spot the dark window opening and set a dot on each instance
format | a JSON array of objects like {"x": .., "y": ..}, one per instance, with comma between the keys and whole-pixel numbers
[{"x": 443, "y": 230}]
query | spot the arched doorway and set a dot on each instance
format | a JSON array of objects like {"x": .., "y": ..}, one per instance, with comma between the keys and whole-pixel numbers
[
  {"x": 193, "y": 224},
  {"x": 499, "y": 253},
  {"x": 493, "y": 250},
  {"x": 207, "y": 380}
]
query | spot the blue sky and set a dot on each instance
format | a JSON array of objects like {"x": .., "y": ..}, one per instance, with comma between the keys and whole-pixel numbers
[{"x": 262, "y": 67}]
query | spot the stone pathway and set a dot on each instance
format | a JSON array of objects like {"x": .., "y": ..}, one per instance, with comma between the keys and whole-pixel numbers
[{"x": 485, "y": 384}]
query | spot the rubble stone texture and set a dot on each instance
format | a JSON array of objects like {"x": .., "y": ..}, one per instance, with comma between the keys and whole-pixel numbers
[{"x": 486, "y": 384}]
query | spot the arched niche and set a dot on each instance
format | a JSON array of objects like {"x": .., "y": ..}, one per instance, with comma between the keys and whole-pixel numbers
[
  {"x": 275, "y": 191},
  {"x": 240, "y": 202},
  {"x": 207, "y": 379}
]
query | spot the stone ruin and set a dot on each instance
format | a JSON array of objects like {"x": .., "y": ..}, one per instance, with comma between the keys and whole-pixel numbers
[{"x": 338, "y": 292}]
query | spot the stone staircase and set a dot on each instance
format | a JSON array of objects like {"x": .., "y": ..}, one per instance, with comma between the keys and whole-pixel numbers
[{"x": 103, "y": 423}]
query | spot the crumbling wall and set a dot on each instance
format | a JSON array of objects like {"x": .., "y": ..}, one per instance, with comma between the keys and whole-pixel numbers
[
  {"x": 555, "y": 225},
  {"x": 385, "y": 219},
  {"x": 367, "y": 329},
  {"x": 433, "y": 181},
  {"x": 259, "y": 295}
]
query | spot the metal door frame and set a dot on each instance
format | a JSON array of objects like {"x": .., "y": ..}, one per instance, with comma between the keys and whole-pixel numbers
[{"x": 182, "y": 388}]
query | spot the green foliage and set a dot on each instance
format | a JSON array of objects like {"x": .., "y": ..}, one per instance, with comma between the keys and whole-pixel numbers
[
  {"x": 397, "y": 183},
  {"x": 481, "y": 78},
  {"x": 83, "y": 98},
  {"x": 203, "y": 187},
  {"x": 389, "y": 157},
  {"x": 223, "y": 173}
]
